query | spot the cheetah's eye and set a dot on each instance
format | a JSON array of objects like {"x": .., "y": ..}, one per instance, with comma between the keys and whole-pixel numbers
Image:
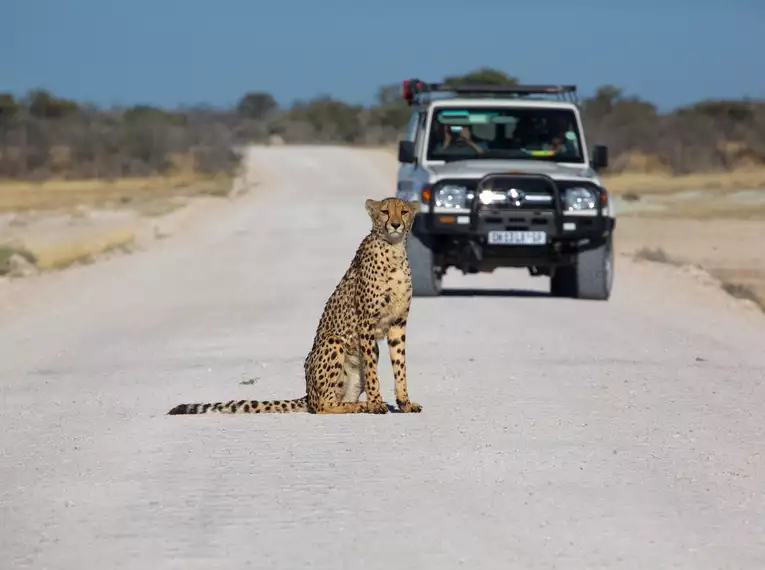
[
  {"x": 385, "y": 212},
  {"x": 404, "y": 212}
]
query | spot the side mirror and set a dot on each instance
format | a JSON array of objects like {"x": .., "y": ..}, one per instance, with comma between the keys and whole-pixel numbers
[
  {"x": 406, "y": 152},
  {"x": 600, "y": 157}
]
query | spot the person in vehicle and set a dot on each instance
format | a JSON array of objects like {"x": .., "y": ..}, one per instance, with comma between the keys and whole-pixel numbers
[
  {"x": 558, "y": 134},
  {"x": 455, "y": 142},
  {"x": 544, "y": 136}
]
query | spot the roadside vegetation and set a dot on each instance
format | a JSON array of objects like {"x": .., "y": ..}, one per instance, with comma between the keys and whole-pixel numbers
[{"x": 44, "y": 136}]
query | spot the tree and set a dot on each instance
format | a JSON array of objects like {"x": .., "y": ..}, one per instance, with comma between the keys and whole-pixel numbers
[
  {"x": 9, "y": 107},
  {"x": 43, "y": 105},
  {"x": 256, "y": 105}
]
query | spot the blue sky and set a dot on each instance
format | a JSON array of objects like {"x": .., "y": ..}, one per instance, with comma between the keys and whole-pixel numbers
[{"x": 187, "y": 52}]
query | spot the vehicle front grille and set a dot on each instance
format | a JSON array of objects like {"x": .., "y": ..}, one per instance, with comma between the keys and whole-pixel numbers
[{"x": 513, "y": 193}]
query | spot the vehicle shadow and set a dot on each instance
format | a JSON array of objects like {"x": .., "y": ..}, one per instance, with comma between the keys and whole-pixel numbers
[{"x": 493, "y": 293}]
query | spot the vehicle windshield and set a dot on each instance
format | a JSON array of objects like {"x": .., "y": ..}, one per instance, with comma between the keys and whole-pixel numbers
[{"x": 459, "y": 133}]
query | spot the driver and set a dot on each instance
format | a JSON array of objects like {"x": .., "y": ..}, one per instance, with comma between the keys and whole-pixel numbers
[{"x": 451, "y": 141}]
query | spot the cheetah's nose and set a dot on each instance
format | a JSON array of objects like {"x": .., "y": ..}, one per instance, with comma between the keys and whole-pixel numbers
[{"x": 395, "y": 225}]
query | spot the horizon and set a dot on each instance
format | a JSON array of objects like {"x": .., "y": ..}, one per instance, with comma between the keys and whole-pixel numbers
[{"x": 157, "y": 55}]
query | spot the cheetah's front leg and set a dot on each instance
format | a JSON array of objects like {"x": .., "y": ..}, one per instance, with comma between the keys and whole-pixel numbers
[
  {"x": 370, "y": 353},
  {"x": 397, "y": 350}
]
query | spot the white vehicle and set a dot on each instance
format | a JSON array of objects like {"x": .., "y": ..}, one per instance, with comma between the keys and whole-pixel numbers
[{"x": 505, "y": 179}]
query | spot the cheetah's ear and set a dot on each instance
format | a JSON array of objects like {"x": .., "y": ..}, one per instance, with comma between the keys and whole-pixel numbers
[
  {"x": 415, "y": 205},
  {"x": 373, "y": 207}
]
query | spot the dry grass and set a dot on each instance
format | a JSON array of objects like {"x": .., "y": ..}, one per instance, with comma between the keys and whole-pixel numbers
[
  {"x": 22, "y": 196},
  {"x": 62, "y": 254},
  {"x": 60, "y": 245},
  {"x": 661, "y": 182},
  {"x": 705, "y": 209},
  {"x": 64, "y": 193}
]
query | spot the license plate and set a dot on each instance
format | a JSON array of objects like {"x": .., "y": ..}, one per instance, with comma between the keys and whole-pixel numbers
[{"x": 517, "y": 238}]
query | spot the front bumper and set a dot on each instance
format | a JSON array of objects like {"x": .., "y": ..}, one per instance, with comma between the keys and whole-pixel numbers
[
  {"x": 565, "y": 234},
  {"x": 563, "y": 228}
]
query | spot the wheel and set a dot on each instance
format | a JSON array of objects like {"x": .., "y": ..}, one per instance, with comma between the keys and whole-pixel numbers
[
  {"x": 595, "y": 272},
  {"x": 426, "y": 278},
  {"x": 591, "y": 278}
]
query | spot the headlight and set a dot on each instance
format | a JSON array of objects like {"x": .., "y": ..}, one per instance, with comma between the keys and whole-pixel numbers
[
  {"x": 451, "y": 196},
  {"x": 579, "y": 199}
]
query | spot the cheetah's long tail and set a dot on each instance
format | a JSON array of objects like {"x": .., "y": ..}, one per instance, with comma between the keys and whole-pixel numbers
[{"x": 243, "y": 407}]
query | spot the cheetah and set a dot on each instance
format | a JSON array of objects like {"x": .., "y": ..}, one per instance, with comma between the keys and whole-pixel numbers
[{"x": 370, "y": 303}]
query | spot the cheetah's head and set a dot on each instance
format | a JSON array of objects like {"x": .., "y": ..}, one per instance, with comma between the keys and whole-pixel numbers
[{"x": 392, "y": 218}]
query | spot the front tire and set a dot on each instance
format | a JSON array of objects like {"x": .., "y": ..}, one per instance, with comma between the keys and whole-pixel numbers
[
  {"x": 592, "y": 277},
  {"x": 426, "y": 277}
]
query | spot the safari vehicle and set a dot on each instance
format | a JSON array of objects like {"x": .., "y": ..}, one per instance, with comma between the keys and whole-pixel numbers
[{"x": 504, "y": 179}]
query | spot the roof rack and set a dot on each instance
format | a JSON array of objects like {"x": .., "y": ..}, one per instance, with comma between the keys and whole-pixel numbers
[{"x": 417, "y": 91}]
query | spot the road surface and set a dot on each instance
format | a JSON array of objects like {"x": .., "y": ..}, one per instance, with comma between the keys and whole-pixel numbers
[{"x": 554, "y": 434}]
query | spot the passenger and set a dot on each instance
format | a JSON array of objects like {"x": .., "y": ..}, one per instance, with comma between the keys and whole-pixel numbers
[{"x": 558, "y": 132}]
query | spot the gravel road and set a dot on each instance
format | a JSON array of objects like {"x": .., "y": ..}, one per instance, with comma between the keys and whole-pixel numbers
[{"x": 554, "y": 433}]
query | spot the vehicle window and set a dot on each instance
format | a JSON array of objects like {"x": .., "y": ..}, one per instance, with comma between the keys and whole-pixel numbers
[{"x": 504, "y": 133}]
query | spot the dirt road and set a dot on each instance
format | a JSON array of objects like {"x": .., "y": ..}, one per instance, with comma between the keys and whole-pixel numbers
[{"x": 554, "y": 434}]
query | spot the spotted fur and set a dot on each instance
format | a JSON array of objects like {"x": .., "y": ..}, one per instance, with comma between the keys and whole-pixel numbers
[{"x": 370, "y": 303}]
